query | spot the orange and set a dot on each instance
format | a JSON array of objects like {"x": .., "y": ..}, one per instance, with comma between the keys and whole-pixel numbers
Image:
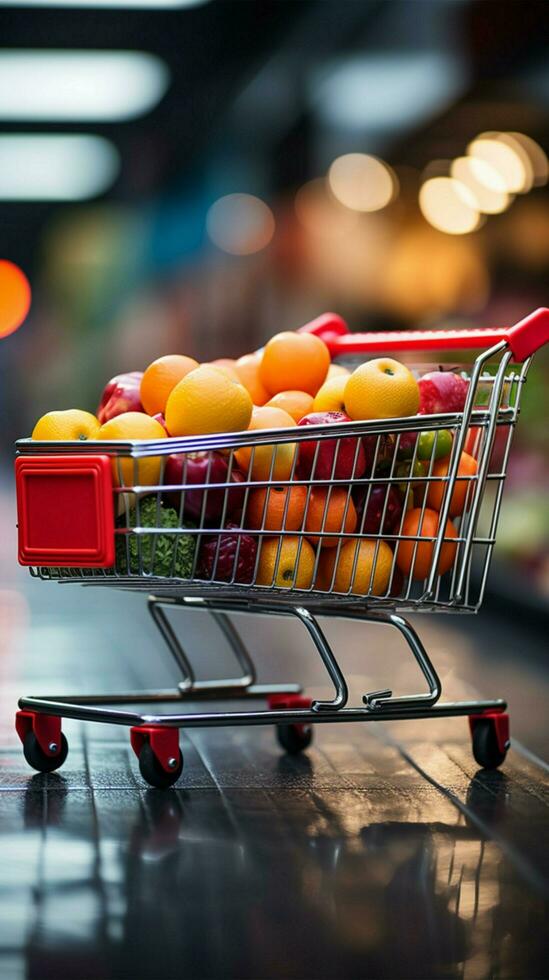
[
  {"x": 363, "y": 581},
  {"x": 331, "y": 397},
  {"x": 247, "y": 368},
  {"x": 295, "y": 403},
  {"x": 207, "y": 401},
  {"x": 294, "y": 567},
  {"x": 337, "y": 371},
  {"x": 381, "y": 389},
  {"x": 420, "y": 566},
  {"x": 258, "y": 461},
  {"x": 294, "y": 362},
  {"x": 326, "y": 512},
  {"x": 71, "y": 424},
  {"x": 226, "y": 365},
  {"x": 460, "y": 498},
  {"x": 160, "y": 378},
  {"x": 268, "y": 512},
  {"x": 129, "y": 472}
]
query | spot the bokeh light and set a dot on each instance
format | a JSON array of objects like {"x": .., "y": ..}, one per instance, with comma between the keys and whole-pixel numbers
[
  {"x": 240, "y": 224},
  {"x": 449, "y": 205},
  {"x": 506, "y": 158},
  {"x": 484, "y": 182},
  {"x": 536, "y": 155},
  {"x": 320, "y": 214},
  {"x": 362, "y": 182},
  {"x": 15, "y": 297}
]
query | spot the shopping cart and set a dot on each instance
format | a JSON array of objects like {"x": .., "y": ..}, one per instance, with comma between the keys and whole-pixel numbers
[{"x": 90, "y": 513}]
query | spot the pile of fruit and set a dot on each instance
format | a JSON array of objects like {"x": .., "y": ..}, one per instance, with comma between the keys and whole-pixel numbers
[{"x": 290, "y": 382}]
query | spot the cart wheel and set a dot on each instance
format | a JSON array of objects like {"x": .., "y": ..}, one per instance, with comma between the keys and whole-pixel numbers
[
  {"x": 294, "y": 738},
  {"x": 154, "y": 773},
  {"x": 486, "y": 748},
  {"x": 38, "y": 759}
]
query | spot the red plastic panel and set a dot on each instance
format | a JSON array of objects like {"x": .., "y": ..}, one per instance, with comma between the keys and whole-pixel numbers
[
  {"x": 47, "y": 729},
  {"x": 65, "y": 511}
]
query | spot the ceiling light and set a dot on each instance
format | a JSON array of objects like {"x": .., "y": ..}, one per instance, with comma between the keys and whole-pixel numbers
[
  {"x": 107, "y": 4},
  {"x": 79, "y": 85},
  {"x": 240, "y": 224},
  {"x": 55, "y": 167},
  {"x": 449, "y": 206},
  {"x": 504, "y": 158},
  {"x": 386, "y": 92},
  {"x": 485, "y": 183},
  {"x": 361, "y": 182}
]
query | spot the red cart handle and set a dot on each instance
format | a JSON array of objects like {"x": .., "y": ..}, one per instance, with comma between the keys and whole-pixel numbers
[{"x": 524, "y": 338}]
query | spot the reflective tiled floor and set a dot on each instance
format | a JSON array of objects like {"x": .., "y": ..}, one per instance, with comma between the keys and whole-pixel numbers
[{"x": 382, "y": 853}]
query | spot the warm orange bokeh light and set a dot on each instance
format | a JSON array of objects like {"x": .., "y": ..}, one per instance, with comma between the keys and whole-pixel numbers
[{"x": 15, "y": 297}]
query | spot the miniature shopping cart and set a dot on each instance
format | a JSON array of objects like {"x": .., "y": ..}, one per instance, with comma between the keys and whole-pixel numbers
[{"x": 91, "y": 513}]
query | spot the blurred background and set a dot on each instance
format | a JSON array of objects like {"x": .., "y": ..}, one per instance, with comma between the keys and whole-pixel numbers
[{"x": 193, "y": 176}]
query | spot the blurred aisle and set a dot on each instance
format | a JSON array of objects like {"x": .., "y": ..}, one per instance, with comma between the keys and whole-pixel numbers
[{"x": 382, "y": 848}]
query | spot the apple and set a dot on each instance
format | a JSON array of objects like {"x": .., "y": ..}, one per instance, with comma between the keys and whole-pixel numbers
[
  {"x": 375, "y": 504},
  {"x": 442, "y": 391},
  {"x": 224, "y": 547},
  {"x": 120, "y": 395},
  {"x": 345, "y": 467},
  {"x": 204, "y": 467}
]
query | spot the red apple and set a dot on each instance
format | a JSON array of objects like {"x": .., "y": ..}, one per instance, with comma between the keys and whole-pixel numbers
[
  {"x": 120, "y": 395},
  {"x": 345, "y": 467},
  {"x": 207, "y": 468},
  {"x": 374, "y": 508},
  {"x": 442, "y": 391},
  {"x": 224, "y": 547}
]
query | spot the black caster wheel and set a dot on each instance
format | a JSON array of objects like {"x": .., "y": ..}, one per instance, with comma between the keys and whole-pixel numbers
[
  {"x": 486, "y": 749},
  {"x": 38, "y": 759},
  {"x": 153, "y": 773},
  {"x": 294, "y": 738}
]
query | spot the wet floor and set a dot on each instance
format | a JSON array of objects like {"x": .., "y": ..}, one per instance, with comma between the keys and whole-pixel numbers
[{"x": 383, "y": 852}]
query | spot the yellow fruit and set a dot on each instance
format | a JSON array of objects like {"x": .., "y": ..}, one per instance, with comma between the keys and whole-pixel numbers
[
  {"x": 364, "y": 583},
  {"x": 331, "y": 397},
  {"x": 257, "y": 461},
  {"x": 289, "y": 571},
  {"x": 381, "y": 389},
  {"x": 160, "y": 378},
  {"x": 337, "y": 370},
  {"x": 129, "y": 472},
  {"x": 71, "y": 424},
  {"x": 207, "y": 401}
]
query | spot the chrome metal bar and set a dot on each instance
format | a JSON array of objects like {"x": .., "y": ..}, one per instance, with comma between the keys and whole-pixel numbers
[
  {"x": 328, "y": 660},
  {"x": 481, "y": 473},
  {"x": 462, "y": 427},
  {"x": 190, "y": 684},
  {"x": 384, "y": 699},
  {"x": 240, "y": 652},
  {"x": 278, "y": 717},
  {"x": 155, "y": 607},
  {"x": 212, "y": 693}
]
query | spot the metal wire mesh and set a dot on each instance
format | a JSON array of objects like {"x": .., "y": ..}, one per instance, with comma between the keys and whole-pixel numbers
[{"x": 358, "y": 511}]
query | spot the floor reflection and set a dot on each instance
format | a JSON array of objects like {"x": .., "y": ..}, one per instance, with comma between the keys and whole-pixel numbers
[{"x": 265, "y": 884}]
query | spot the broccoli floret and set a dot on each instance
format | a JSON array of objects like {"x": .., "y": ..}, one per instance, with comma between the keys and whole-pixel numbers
[{"x": 156, "y": 550}]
